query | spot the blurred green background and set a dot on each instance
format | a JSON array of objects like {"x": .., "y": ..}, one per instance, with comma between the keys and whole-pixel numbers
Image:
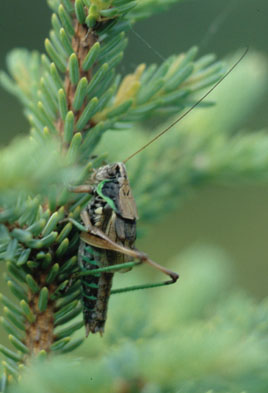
[{"x": 233, "y": 218}]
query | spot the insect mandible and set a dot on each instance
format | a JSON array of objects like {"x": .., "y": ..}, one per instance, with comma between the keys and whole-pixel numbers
[{"x": 108, "y": 233}]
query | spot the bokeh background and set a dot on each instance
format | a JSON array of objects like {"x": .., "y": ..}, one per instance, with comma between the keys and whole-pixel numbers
[{"x": 232, "y": 218}]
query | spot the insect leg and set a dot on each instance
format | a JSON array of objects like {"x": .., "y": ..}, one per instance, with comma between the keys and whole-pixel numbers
[
  {"x": 108, "y": 269},
  {"x": 174, "y": 276},
  {"x": 86, "y": 219},
  {"x": 85, "y": 188},
  {"x": 113, "y": 268},
  {"x": 95, "y": 237},
  {"x": 138, "y": 287}
]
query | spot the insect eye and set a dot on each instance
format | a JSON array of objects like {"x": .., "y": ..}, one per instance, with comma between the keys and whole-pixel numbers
[
  {"x": 110, "y": 172},
  {"x": 113, "y": 171}
]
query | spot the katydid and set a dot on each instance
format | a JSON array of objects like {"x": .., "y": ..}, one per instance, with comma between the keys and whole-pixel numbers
[{"x": 109, "y": 233}]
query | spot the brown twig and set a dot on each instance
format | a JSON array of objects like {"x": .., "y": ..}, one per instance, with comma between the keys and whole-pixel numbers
[{"x": 40, "y": 333}]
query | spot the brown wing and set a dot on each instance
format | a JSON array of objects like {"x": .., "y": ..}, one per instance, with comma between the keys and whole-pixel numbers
[{"x": 126, "y": 203}]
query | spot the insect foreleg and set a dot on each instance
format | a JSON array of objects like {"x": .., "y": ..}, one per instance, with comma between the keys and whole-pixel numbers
[
  {"x": 86, "y": 220},
  {"x": 85, "y": 188}
]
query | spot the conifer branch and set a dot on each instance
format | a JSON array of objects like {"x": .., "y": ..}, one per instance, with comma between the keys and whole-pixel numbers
[{"x": 72, "y": 95}]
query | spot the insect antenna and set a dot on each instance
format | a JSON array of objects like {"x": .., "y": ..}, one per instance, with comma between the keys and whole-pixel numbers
[{"x": 190, "y": 109}]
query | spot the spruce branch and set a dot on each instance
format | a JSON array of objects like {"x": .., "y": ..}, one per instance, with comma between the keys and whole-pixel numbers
[
  {"x": 192, "y": 341},
  {"x": 72, "y": 95}
]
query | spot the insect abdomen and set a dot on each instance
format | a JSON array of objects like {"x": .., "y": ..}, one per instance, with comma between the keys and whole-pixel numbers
[{"x": 95, "y": 288}]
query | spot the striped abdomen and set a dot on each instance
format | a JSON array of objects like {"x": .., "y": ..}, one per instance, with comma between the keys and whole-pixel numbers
[{"x": 95, "y": 288}]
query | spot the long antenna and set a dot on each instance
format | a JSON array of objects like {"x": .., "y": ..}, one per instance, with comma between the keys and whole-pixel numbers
[{"x": 190, "y": 109}]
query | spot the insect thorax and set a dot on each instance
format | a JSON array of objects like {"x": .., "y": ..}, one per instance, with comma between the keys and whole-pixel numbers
[{"x": 113, "y": 200}]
